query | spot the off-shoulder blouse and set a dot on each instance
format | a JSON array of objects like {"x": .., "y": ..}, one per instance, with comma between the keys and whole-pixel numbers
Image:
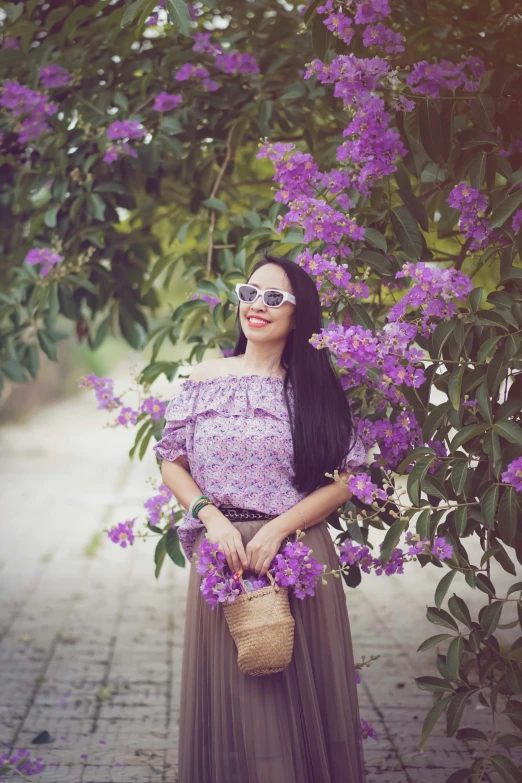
[{"x": 235, "y": 433}]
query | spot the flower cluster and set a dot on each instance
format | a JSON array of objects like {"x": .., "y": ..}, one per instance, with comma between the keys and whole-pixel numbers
[
  {"x": 154, "y": 407},
  {"x": 360, "y": 351},
  {"x": 470, "y": 203},
  {"x": 43, "y": 256},
  {"x": 122, "y": 533},
  {"x": 156, "y": 506},
  {"x": 212, "y": 300},
  {"x": 351, "y": 553},
  {"x": 33, "y": 106},
  {"x": 372, "y": 147},
  {"x": 327, "y": 271},
  {"x": 513, "y": 474},
  {"x": 339, "y": 24},
  {"x": 432, "y": 290},
  {"x": 361, "y": 485},
  {"x": 428, "y": 78},
  {"x": 123, "y": 131},
  {"x": 295, "y": 568},
  {"x": 104, "y": 390},
  {"x": 165, "y": 101},
  {"x": 54, "y": 76},
  {"x": 517, "y": 220},
  {"x": 21, "y": 761},
  {"x": 395, "y": 439},
  {"x": 383, "y": 38},
  {"x": 190, "y": 71}
]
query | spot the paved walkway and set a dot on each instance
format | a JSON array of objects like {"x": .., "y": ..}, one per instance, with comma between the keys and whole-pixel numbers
[{"x": 90, "y": 641}]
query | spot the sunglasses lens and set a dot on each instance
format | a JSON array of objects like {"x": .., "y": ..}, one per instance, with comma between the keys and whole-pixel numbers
[
  {"x": 273, "y": 298},
  {"x": 247, "y": 293}
]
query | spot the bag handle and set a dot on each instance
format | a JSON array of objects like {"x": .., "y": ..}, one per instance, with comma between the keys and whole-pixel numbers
[{"x": 250, "y": 593}]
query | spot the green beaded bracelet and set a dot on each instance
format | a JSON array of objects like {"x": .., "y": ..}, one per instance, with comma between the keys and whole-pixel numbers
[{"x": 199, "y": 505}]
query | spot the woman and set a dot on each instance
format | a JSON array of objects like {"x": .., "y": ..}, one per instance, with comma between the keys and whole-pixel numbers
[{"x": 256, "y": 432}]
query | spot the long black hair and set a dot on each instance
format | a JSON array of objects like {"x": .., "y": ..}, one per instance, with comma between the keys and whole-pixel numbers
[{"x": 322, "y": 427}]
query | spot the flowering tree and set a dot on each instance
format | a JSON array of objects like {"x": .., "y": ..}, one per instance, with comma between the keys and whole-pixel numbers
[{"x": 396, "y": 149}]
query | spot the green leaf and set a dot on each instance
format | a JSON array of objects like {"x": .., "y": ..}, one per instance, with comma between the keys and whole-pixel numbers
[
  {"x": 491, "y": 617},
  {"x": 431, "y": 719},
  {"x": 509, "y": 430},
  {"x": 505, "y": 209},
  {"x": 477, "y": 169},
  {"x": 440, "y": 336},
  {"x": 459, "y": 609},
  {"x": 434, "y": 419},
  {"x": 322, "y": 38},
  {"x": 430, "y": 129},
  {"x": 376, "y": 261},
  {"x": 488, "y": 506},
  {"x": 433, "y": 684},
  {"x": 133, "y": 10},
  {"x": 484, "y": 402},
  {"x": 179, "y": 16},
  {"x": 467, "y": 433},
  {"x": 461, "y": 519},
  {"x": 173, "y": 548},
  {"x": 454, "y": 712},
  {"x": 483, "y": 109},
  {"x": 47, "y": 344},
  {"x": 506, "y": 769},
  {"x": 459, "y": 475},
  {"x": 460, "y": 775},
  {"x": 455, "y": 386},
  {"x": 407, "y": 232},
  {"x": 215, "y": 203},
  {"x": 416, "y": 477},
  {"x": 443, "y": 587},
  {"x": 391, "y": 539},
  {"x": 471, "y": 734},
  {"x": 159, "y": 555},
  {"x": 433, "y": 640},
  {"x": 487, "y": 347},
  {"x": 453, "y": 657},
  {"x": 440, "y": 617},
  {"x": 375, "y": 239},
  {"x": 507, "y": 515}
]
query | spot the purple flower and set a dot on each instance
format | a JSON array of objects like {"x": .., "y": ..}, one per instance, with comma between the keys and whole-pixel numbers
[
  {"x": 416, "y": 545},
  {"x": 367, "y": 730},
  {"x": 339, "y": 24},
  {"x": 10, "y": 43},
  {"x": 428, "y": 78},
  {"x": 517, "y": 221},
  {"x": 363, "y": 488},
  {"x": 54, "y": 76},
  {"x": 383, "y": 38},
  {"x": 21, "y": 760},
  {"x": 153, "y": 406},
  {"x": 236, "y": 62},
  {"x": 513, "y": 474},
  {"x": 470, "y": 202},
  {"x": 203, "y": 45},
  {"x": 126, "y": 129},
  {"x": 212, "y": 300},
  {"x": 33, "y": 106},
  {"x": 122, "y": 533},
  {"x": 155, "y": 505},
  {"x": 127, "y": 416},
  {"x": 44, "y": 256},
  {"x": 442, "y": 549},
  {"x": 165, "y": 101}
]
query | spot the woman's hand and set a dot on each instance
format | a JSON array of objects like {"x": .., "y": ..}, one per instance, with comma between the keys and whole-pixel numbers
[
  {"x": 262, "y": 548},
  {"x": 221, "y": 529}
]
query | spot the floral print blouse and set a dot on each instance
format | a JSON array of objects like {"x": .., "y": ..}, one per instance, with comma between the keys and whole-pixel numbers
[{"x": 235, "y": 433}]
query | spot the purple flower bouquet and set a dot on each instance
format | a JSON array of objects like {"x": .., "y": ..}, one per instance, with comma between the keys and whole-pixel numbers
[{"x": 257, "y": 610}]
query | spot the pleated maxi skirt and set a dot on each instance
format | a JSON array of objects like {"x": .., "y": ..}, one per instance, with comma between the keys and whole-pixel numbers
[{"x": 301, "y": 725}]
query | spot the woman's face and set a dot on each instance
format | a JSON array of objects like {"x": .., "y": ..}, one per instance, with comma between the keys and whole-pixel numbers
[{"x": 277, "y": 322}]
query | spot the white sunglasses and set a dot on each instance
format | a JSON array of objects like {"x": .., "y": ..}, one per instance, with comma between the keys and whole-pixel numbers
[{"x": 272, "y": 297}]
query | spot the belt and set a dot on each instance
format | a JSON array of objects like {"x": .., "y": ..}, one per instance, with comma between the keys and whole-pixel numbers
[{"x": 236, "y": 514}]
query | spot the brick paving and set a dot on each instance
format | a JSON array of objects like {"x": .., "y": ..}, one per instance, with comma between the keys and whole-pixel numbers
[{"x": 91, "y": 642}]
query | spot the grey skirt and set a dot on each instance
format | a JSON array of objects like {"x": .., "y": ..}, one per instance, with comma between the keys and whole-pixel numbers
[{"x": 301, "y": 725}]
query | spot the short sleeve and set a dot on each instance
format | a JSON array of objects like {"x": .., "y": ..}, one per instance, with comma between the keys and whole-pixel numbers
[
  {"x": 178, "y": 415},
  {"x": 355, "y": 456}
]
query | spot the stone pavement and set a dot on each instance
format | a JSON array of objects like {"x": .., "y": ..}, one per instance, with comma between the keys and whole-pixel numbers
[{"x": 91, "y": 642}]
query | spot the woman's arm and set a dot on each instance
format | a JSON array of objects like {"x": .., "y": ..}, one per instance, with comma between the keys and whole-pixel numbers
[
  {"x": 314, "y": 507},
  {"x": 178, "y": 479},
  {"x": 263, "y": 547}
]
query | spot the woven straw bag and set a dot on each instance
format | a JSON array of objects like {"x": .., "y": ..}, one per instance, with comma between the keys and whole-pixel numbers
[{"x": 262, "y": 627}]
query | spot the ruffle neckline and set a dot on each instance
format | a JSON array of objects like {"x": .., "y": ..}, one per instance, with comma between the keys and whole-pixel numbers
[
  {"x": 188, "y": 383},
  {"x": 229, "y": 395}
]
